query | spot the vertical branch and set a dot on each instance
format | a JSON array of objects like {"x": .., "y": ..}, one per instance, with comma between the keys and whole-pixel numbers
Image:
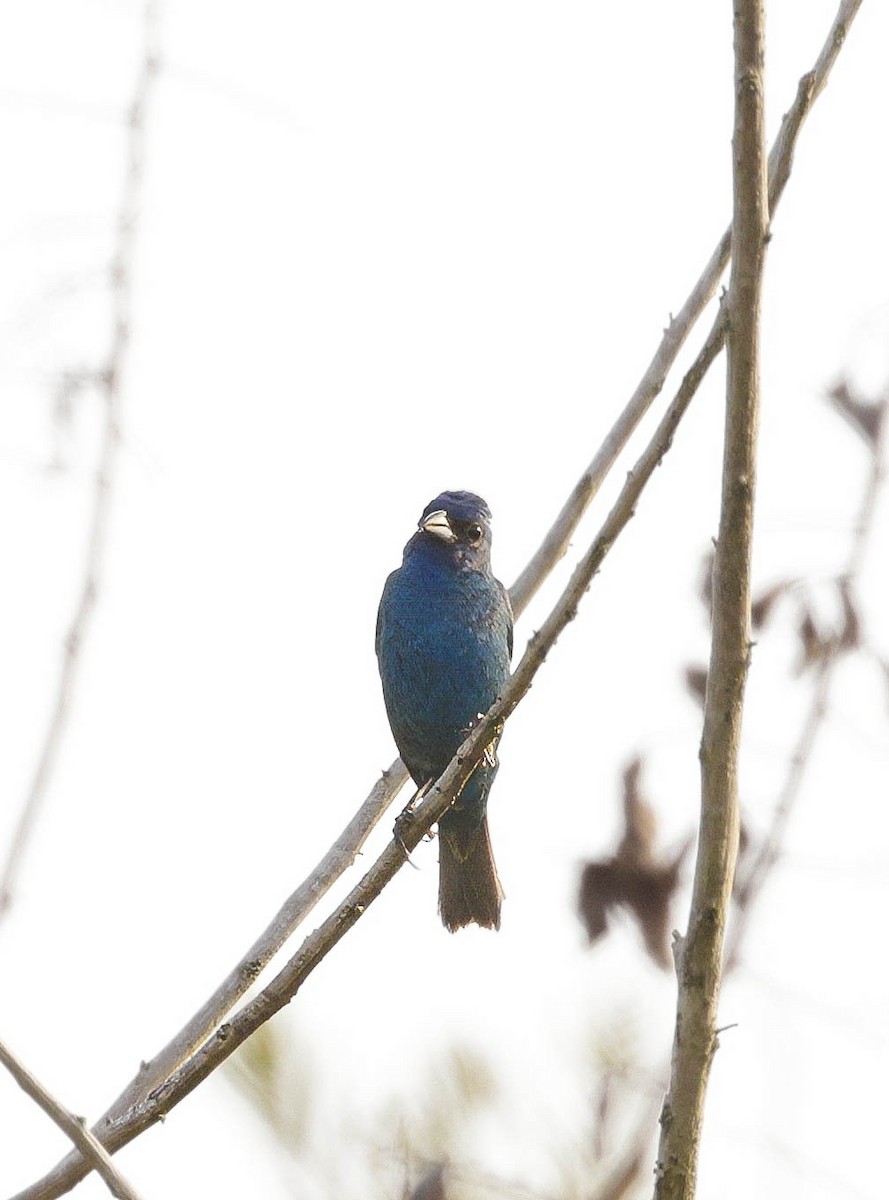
[
  {"x": 108, "y": 381},
  {"x": 699, "y": 954},
  {"x": 186, "y": 1060}
]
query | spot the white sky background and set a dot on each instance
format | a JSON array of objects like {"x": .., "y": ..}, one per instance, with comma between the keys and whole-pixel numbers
[{"x": 385, "y": 250}]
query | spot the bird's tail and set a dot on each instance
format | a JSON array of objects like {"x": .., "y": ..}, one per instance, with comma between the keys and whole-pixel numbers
[{"x": 469, "y": 890}]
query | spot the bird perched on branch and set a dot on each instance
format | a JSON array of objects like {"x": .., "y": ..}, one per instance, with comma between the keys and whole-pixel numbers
[{"x": 444, "y": 644}]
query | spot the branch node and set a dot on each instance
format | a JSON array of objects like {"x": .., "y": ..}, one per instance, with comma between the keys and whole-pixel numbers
[{"x": 678, "y": 948}]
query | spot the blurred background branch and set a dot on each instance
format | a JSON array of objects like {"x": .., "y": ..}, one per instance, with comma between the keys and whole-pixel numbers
[
  {"x": 107, "y": 382},
  {"x": 188, "y": 1043},
  {"x": 343, "y": 852},
  {"x": 641, "y": 878},
  {"x": 820, "y": 652},
  {"x": 73, "y": 1127},
  {"x": 153, "y": 1105}
]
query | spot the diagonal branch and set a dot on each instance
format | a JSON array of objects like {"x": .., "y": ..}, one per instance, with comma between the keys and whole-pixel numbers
[
  {"x": 120, "y": 1130},
  {"x": 699, "y": 955},
  {"x": 341, "y": 855},
  {"x": 555, "y": 544},
  {"x": 346, "y": 848},
  {"x": 73, "y": 1127},
  {"x": 176, "y": 1058}
]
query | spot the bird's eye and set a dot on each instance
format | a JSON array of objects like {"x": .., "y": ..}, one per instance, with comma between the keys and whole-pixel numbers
[{"x": 474, "y": 534}]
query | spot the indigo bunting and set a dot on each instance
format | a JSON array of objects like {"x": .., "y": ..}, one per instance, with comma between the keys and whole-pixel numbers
[{"x": 444, "y": 644}]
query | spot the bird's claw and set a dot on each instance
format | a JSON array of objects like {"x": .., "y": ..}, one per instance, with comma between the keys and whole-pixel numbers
[
  {"x": 401, "y": 821},
  {"x": 404, "y": 818}
]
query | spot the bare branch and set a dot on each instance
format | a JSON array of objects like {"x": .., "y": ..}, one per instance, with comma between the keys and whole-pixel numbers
[
  {"x": 117, "y": 1126},
  {"x": 116, "y": 1130},
  {"x": 768, "y": 852},
  {"x": 620, "y": 1180},
  {"x": 73, "y": 1127},
  {"x": 109, "y": 383},
  {"x": 556, "y": 542},
  {"x": 339, "y": 857},
  {"x": 699, "y": 954}
]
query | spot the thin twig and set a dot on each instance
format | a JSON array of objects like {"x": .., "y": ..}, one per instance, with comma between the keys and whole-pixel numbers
[
  {"x": 118, "y": 1131},
  {"x": 633, "y": 1161},
  {"x": 699, "y": 954},
  {"x": 108, "y": 381},
  {"x": 73, "y": 1127},
  {"x": 768, "y": 852},
  {"x": 112, "y": 1127},
  {"x": 809, "y": 88},
  {"x": 556, "y": 542},
  {"x": 345, "y": 849},
  {"x": 438, "y": 799}
]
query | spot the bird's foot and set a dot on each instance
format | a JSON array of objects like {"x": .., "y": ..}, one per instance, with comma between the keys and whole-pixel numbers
[
  {"x": 402, "y": 822},
  {"x": 404, "y": 818}
]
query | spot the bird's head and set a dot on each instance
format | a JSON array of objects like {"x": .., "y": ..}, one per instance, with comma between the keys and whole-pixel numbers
[{"x": 458, "y": 522}]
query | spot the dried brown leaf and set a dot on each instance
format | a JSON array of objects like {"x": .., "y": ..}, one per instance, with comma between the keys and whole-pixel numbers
[
  {"x": 432, "y": 1185},
  {"x": 696, "y": 682},
  {"x": 633, "y": 878},
  {"x": 640, "y": 823},
  {"x": 705, "y": 581},
  {"x": 646, "y": 891},
  {"x": 850, "y": 632},
  {"x": 865, "y": 417},
  {"x": 813, "y": 646},
  {"x": 599, "y": 892},
  {"x": 761, "y": 608}
]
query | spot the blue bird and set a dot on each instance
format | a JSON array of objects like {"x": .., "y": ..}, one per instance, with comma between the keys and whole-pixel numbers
[{"x": 444, "y": 644}]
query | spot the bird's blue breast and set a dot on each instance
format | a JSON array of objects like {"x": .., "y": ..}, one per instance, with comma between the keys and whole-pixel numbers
[{"x": 443, "y": 643}]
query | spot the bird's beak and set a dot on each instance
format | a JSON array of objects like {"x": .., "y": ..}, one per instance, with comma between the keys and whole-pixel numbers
[{"x": 437, "y": 522}]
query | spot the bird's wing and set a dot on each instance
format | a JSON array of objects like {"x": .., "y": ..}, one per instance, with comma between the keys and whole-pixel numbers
[
  {"x": 379, "y": 623},
  {"x": 383, "y": 603},
  {"x": 509, "y": 613}
]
